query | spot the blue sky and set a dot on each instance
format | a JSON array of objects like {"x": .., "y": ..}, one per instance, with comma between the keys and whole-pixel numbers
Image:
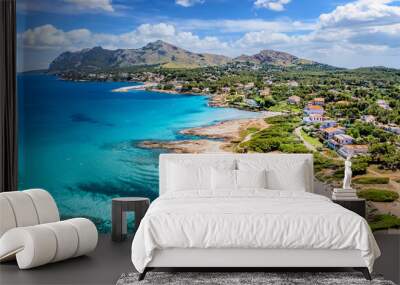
[{"x": 342, "y": 33}]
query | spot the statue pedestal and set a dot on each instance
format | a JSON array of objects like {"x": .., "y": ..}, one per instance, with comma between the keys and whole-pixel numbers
[
  {"x": 344, "y": 194},
  {"x": 356, "y": 205}
]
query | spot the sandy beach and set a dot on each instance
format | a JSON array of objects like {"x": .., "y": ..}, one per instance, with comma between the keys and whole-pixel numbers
[
  {"x": 227, "y": 132},
  {"x": 188, "y": 146},
  {"x": 152, "y": 86},
  {"x": 218, "y": 100},
  {"x": 135, "y": 87},
  {"x": 219, "y": 137}
]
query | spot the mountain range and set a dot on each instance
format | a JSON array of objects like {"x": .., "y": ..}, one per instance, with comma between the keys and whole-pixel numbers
[
  {"x": 162, "y": 54},
  {"x": 276, "y": 58}
]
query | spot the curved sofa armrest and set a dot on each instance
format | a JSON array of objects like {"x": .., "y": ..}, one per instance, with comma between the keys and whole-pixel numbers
[
  {"x": 41, "y": 244},
  {"x": 33, "y": 246},
  {"x": 87, "y": 235}
]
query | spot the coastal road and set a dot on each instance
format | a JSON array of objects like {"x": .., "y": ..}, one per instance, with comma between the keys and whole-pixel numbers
[
  {"x": 266, "y": 115},
  {"x": 249, "y": 136},
  {"x": 309, "y": 146}
]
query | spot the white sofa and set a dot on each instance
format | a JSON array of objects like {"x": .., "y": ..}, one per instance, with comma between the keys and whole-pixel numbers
[{"x": 31, "y": 231}]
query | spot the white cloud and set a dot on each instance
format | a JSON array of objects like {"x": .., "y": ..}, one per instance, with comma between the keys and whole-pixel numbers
[
  {"x": 361, "y": 13},
  {"x": 363, "y": 32},
  {"x": 344, "y": 39},
  {"x": 71, "y": 7},
  {"x": 388, "y": 35},
  {"x": 374, "y": 24},
  {"x": 275, "y": 5},
  {"x": 155, "y": 31},
  {"x": 48, "y": 37},
  {"x": 188, "y": 3},
  {"x": 263, "y": 39},
  {"x": 248, "y": 25},
  {"x": 104, "y": 5}
]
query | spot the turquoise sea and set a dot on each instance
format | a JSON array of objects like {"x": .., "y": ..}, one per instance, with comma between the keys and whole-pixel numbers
[{"x": 79, "y": 140}]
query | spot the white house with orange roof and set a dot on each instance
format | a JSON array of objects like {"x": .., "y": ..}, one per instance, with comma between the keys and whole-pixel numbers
[
  {"x": 318, "y": 101},
  {"x": 343, "y": 139},
  {"x": 339, "y": 140},
  {"x": 328, "y": 124},
  {"x": 314, "y": 110},
  {"x": 294, "y": 100},
  {"x": 314, "y": 119},
  {"x": 329, "y": 133},
  {"x": 352, "y": 150}
]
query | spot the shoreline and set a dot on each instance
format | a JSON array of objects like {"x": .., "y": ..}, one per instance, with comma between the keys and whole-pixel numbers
[
  {"x": 216, "y": 100},
  {"x": 141, "y": 86},
  {"x": 215, "y": 138},
  {"x": 145, "y": 85}
]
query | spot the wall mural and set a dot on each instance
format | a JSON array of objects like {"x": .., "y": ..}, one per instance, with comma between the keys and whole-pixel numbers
[{"x": 106, "y": 86}]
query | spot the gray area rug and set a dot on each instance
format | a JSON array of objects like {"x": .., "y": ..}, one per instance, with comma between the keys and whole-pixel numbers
[{"x": 243, "y": 278}]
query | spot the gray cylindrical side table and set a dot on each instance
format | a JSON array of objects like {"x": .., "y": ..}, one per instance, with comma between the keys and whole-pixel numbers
[{"x": 120, "y": 206}]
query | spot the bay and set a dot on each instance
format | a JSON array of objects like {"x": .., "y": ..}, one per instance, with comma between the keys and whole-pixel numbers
[{"x": 78, "y": 140}]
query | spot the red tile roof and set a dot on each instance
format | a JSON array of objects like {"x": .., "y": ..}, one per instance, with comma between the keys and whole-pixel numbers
[
  {"x": 332, "y": 129},
  {"x": 315, "y": 107}
]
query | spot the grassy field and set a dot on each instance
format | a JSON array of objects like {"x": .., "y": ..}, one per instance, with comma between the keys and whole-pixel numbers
[
  {"x": 313, "y": 141},
  {"x": 375, "y": 185},
  {"x": 248, "y": 131},
  {"x": 371, "y": 180},
  {"x": 284, "y": 107},
  {"x": 278, "y": 137},
  {"x": 378, "y": 195},
  {"x": 385, "y": 221}
]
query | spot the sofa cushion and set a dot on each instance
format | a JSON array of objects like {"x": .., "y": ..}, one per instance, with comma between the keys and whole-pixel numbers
[
  {"x": 45, "y": 205},
  {"x": 24, "y": 209},
  {"x": 7, "y": 220},
  {"x": 41, "y": 244}
]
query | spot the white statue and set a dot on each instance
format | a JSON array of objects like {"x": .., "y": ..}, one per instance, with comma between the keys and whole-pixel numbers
[{"x": 347, "y": 173}]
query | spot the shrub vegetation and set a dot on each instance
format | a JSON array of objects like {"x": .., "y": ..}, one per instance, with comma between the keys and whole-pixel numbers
[
  {"x": 378, "y": 195},
  {"x": 360, "y": 165},
  {"x": 385, "y": 221},
  {"x": 371, "y": 180},
  {"x": 278, "y": 137}
]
